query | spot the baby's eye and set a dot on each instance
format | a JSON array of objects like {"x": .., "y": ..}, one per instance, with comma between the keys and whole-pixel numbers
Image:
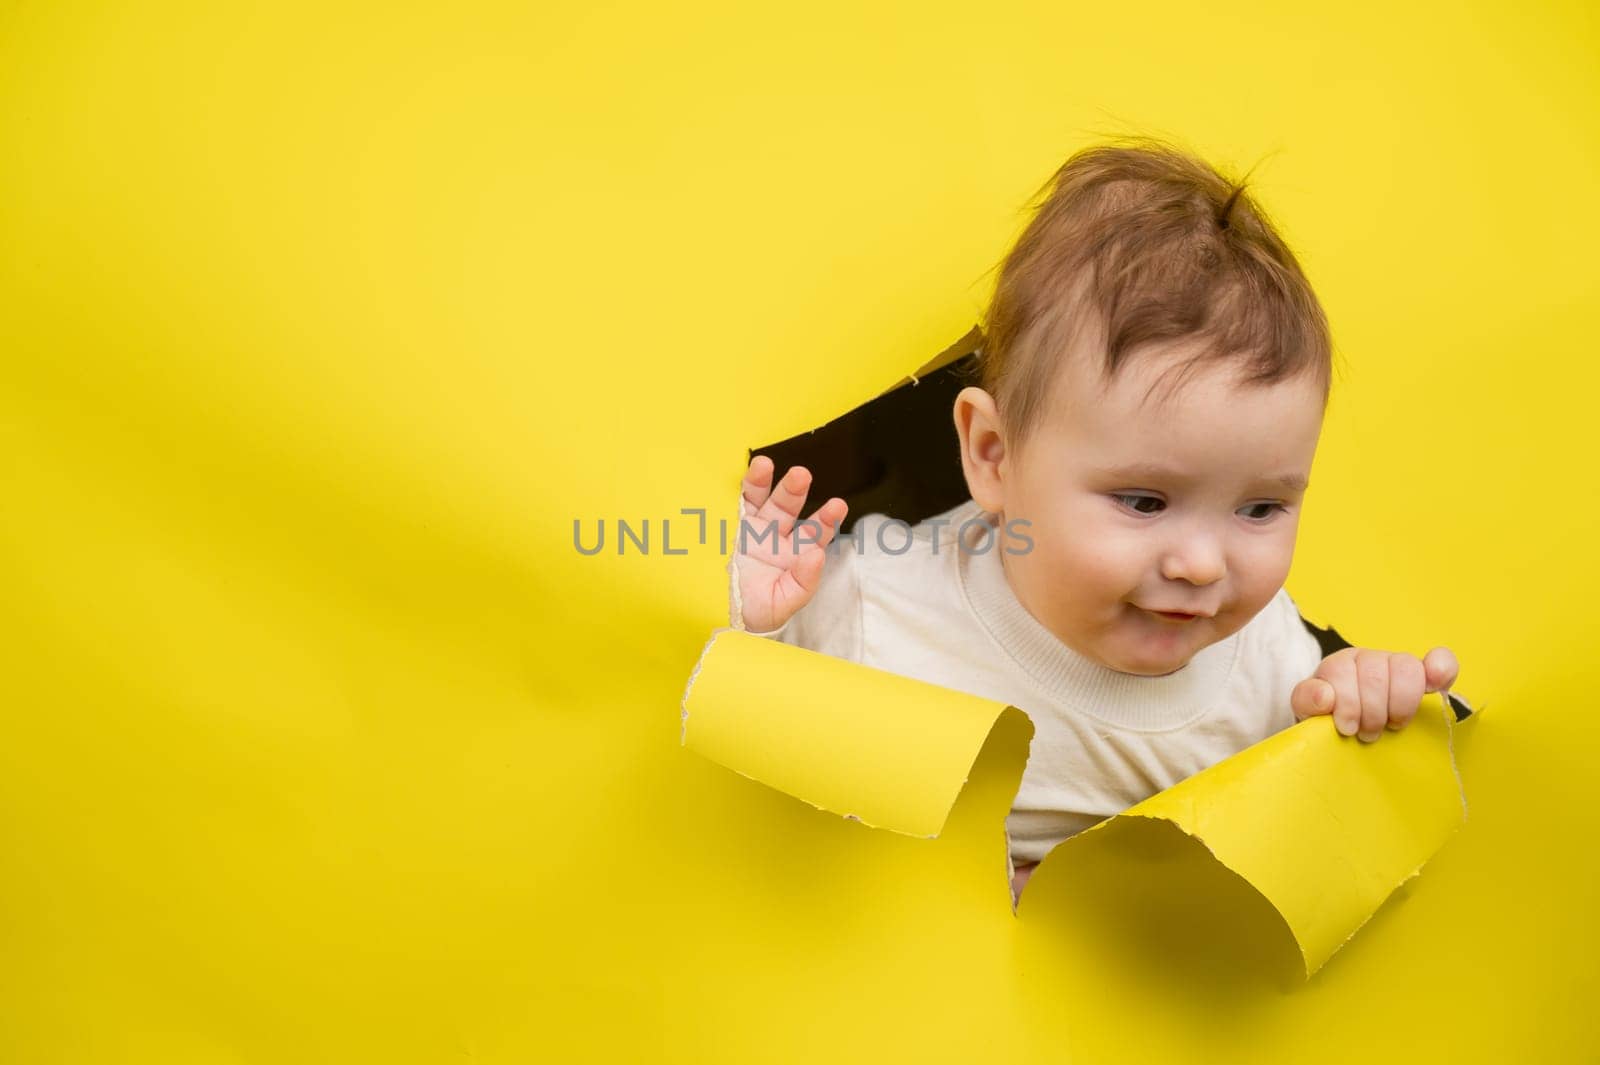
[
  {"x": 1271, "y": 509},
  {"x": 1132, "y": 503}
]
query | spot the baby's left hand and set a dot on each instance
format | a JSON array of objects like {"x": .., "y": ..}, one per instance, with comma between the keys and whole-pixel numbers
[{"x": 1366, "y": 690}]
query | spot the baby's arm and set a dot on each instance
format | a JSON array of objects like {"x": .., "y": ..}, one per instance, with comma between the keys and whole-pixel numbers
[{"x": 778, "y": 566}]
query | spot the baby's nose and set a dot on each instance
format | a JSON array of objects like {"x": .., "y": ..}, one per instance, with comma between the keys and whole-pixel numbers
[{"x": 1198, "y": 563}]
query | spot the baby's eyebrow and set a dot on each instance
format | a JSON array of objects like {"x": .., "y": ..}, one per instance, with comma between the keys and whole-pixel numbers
[{"x": 1290, "y": 482}]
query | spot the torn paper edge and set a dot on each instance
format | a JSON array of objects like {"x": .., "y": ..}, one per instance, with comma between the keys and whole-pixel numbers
[
  {"x": 736, "y": 619},
  {"x": 683, "y": 706},
  {"x": 1450, "y": 724}
]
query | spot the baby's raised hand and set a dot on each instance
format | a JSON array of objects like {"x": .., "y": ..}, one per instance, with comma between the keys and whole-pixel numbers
[
  {"x": 779, "y": 573},
  {"x": 1367, "y": 690}
]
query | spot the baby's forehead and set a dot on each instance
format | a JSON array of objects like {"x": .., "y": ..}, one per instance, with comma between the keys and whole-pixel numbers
[
  {"x": 1150, "y": 414},
  {"x": 1169, "y": 380},
  {"x": 1088, "y": 397}
]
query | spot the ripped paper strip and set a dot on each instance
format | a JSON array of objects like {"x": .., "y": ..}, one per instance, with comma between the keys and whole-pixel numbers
[{"x": 1324, "y": 827}]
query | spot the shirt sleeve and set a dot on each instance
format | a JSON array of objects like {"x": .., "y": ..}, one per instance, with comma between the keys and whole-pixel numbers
[
  {"x": 1290, "y": 651},
  {"x": 831, "y": 622},
  {"x": 1307, "y": 644}
]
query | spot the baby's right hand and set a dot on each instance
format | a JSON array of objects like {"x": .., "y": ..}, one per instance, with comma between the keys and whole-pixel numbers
[{"x": 775, "y": 578}]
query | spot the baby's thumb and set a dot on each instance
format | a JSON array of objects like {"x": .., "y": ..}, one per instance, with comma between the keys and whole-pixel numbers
[{"x": 1310, "y": 697}]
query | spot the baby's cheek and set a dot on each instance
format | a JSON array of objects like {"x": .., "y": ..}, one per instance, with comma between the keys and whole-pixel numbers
[
  {"x": 1252, "y": 598},
  {"x": 1068, "y": 564},
  {"x": 1110, "y": 563},
  {"x": 1064, "y": 582},
  {"x": 1079, "y": 550},
  {"x": 1262, "y": 568}
]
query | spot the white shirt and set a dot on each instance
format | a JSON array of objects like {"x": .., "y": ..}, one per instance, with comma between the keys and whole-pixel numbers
[{"x": 1103, "y": 740}]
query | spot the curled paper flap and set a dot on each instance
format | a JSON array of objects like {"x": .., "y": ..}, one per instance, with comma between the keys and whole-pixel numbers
[
  {"x": 1322, "y": 826},
  {"x": 879, "y": 748},
  {"x": 1325, "y": 827}
]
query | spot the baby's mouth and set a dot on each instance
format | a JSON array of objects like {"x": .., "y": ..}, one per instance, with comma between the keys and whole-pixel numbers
[{"x": 1176, "y": 617}]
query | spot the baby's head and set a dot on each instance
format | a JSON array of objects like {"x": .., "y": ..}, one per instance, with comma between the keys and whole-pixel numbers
[{"x": 1155, "y": 369}]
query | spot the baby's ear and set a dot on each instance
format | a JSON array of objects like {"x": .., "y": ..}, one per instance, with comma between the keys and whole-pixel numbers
[{"x": 983, "y": 446}]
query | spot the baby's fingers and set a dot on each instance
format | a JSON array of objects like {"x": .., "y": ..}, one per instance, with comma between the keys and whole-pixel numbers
[
  {"x": 1310, "y": 697},
  {"x": 1372, "y": 677},
  {"x": 1338, "y": 670},
  {"x": 1441, "y": 668},
  {"x": 757, "y": 484},
  {"x": 782, "y": 507},
  {"x": 829, "y": 517},
  {"x": 1406, "y": 683}
]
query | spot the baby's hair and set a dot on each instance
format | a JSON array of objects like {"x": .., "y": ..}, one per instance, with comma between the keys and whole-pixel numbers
[{"x": 1166, "y": 249}]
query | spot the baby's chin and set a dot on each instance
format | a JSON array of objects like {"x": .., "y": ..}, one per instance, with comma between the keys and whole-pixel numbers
[
  {"x": 1162, "y": 670},
  {"x": 1137, "y": 644},
  {"x": 1156, "y": 652},
  {"x": 1147, "y": 663}
]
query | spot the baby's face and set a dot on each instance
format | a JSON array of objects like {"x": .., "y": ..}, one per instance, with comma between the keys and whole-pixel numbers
[{"x": 1188, "y": 502}]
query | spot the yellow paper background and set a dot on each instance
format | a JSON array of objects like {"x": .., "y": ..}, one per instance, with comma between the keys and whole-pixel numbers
[{"x": 321, "y": 326}]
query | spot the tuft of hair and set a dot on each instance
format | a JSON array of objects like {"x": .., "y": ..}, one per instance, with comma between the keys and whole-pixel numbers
[{"x": 1148, "y": 244}]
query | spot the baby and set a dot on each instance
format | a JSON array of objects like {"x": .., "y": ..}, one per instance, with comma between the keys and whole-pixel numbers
[{"x": 1154, "y": 372}]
